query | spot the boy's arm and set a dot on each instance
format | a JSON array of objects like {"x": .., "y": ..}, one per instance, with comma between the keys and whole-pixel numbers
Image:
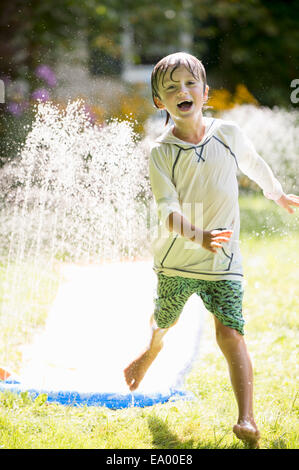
[
  {"x": 208, "y": 239},
  {"x": 251, "y": 164}
]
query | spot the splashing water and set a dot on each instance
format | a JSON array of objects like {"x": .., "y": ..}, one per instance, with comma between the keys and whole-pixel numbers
[
  {"x": 79, "y": 193},
  {"x": 70, "y": 193},
  {"x": 274, "y": 133}
]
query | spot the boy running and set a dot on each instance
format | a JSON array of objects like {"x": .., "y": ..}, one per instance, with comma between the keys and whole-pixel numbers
[{"x": 193, "y": 173}]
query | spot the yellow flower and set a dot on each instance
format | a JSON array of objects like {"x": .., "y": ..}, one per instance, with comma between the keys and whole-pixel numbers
[
  {"x": 243, "y": 95},
  {"x": 221, "y": 100}
]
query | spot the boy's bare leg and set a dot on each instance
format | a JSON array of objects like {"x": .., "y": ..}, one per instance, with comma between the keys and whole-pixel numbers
[
  {"x": 136, "y": 370},
  {"x": 233, "y": 346}
]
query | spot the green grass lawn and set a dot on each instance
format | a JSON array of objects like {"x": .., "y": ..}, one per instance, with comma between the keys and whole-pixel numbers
[{"x": 269, "y": 242}]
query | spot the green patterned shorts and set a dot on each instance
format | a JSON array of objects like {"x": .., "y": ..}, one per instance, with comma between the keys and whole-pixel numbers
[{"x": 222, "y": 298}]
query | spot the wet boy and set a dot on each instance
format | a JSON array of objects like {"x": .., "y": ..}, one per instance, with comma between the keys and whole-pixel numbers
[{"x": 193, "y": 173}]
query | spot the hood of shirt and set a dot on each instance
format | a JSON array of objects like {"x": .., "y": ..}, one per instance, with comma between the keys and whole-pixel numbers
[{"x": 211, "y": 125}]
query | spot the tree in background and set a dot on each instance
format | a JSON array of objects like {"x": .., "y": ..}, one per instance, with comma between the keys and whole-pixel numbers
[
  {"x": 31, "y": 33},
  {"x": 253, "y": 43},
  {"x": 151, "y": 28},
  {"x": 250, "y": 42}
]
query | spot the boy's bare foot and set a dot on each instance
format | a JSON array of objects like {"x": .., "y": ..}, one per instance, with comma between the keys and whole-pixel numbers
[
  {"x": 136, "y": 370},
  {"x": 248, "y": 433}
]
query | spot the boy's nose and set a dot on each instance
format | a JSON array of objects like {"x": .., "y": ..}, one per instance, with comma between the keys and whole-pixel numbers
[
  {"x": 182, "y": 88},
  {"x": 182, "y": 91}
]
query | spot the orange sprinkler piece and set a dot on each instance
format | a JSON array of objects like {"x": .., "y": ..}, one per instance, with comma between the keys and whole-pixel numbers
[{"x": 4, "y": 374}]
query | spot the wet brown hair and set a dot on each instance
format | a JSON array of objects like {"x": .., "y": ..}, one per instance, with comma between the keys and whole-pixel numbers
[{"x": 174, "y": 61}]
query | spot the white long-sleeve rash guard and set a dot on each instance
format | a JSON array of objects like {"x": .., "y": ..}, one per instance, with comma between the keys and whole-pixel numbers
[{"x": 200, "y": 182}]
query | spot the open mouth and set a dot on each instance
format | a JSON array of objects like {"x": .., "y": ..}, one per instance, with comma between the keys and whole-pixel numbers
[{"x": 185, "y": 105}]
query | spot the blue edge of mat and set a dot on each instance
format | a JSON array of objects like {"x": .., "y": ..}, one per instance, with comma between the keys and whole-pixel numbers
[{"x": 108, "y": 399}]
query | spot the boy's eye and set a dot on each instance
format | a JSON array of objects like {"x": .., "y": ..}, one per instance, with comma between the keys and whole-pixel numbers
[{"x": 170, "y": 87}]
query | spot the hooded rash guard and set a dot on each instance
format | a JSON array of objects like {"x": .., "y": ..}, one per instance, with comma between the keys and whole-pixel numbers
[{"x": 200, "y": 182}]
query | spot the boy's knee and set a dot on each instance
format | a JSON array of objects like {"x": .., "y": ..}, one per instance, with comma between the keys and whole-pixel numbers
[{"x": 226, "y": 334}]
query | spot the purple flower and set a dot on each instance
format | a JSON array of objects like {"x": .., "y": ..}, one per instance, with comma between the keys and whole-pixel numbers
[
  {"x": 46, "y": 73},
  {"x": 41, "y": 94},
  {"x": 16, "y": 108},
  {"x": 91, "y": 116}
]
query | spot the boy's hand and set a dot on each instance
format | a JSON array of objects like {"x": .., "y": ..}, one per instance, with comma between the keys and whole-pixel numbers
[
  {"x": 288, "y": 200},
  {"x": 213, "y": 239},
  {"x": 208, "y": 239}
]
